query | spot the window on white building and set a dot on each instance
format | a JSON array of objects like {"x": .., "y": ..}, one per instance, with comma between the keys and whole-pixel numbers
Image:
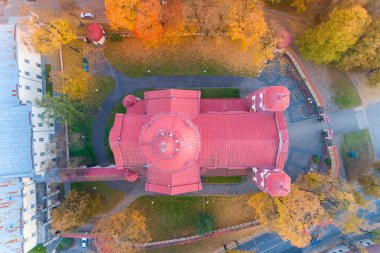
[
  {"x": 54, "y": 159},
  {"x": 39, "y": 89},
  {"x": 25, "y": 221},
  {"x": 26, "y": 61},
  {"x": 25, "y": 209},
  {"x": 39, "y": 76},
  {"x": 51, "y": 124},
  {"x": 23, "y": 195},
  {"x": 27, "y": 73},
  {"x": 32, "y": 205},
  {"x": 33, "y": 218},
  {"x": 42, "y": 163},
  {"x": 40, "y": 124},
  {"x": 39, "y": 115},
  {"x": 27, "y": 87},
  {"x": 26, "y": 238},
  {"x": 31, "y": 191},
  {"x": 34, "y": 234},
  {"x": 41, "y": 139},
  {"x": 38, "y": 65},
  {"x": 42, "y": 154}
]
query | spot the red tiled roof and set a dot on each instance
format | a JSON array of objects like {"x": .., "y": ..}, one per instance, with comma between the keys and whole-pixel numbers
[
  {"x": 178, "y": 125},
  {"x": 237, "y": 140},
  {"x": 223, "y": 105},
  {"x": 182, "y": 101},
  {"x": 94, "y": 32}
]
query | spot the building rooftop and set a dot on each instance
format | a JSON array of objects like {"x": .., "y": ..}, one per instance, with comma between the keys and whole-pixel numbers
[
  {"x": 15, "y": 126},
  {"x": 174, "y": 133}
]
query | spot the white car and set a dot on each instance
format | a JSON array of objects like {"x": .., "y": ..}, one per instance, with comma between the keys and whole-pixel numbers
[
  {"x": 87, "y": 15},
  {"x": 84, "y": 243}
]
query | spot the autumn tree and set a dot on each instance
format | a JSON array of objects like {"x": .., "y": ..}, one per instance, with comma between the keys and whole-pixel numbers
[
  {"x": 172, "y": 21},
  {"x": 370, "y": 185},
  {"x": 248, "y": 26},
  {"x": 331, "y": 39},
  {"x": 365, "y": 54},
  {"x": 61, "y": 109},
  {"x": 74, "y": 84},
  {"x": 76, "y": 209},
  {"x": 300, "y": 5},
  {"x": 374, "y": 77},
  {"x": 119, "y": 232},
  {"x": 337, "y": 198},
  {"x": 247, "y": 23},
  {"x": 121, "y": 13},
  {"x": 148, "y": 26},
  {"x": 289, "y": 216}
]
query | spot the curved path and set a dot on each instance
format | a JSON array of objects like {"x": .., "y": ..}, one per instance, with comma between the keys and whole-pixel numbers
[{"x": 125, "y": 85}]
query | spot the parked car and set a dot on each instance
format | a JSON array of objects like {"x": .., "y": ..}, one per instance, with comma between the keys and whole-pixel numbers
[
  {"x": 87, "y": 15},
  {"x": 85, "y": 64},
  {"x": 84, "y": 243}
]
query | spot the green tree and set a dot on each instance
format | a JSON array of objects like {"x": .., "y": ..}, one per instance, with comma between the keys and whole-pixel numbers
[
  {"x": 60, "y": 108},
  {"x": 205, "y": 223},
  {"x": 365, "y": 54},
  {"x": 76, "y": 209},
  {"x": 328, "y": 41}
]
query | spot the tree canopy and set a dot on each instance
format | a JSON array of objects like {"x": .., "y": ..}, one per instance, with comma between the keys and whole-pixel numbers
[
  {"x": 118, "y": 232},
  {"x": 331, "y": 39},
  {"x": 313, "y": 199},
  {"x": 76, "y": 209},
  {"x": 48, "y": 33},
  {"x": 60, "y": 108},
  {"x": 365, "y": 54}
]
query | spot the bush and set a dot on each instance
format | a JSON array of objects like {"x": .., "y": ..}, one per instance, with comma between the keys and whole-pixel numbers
[
  {"x": 115, "y": 37},
  {"x": 205, "y": 223},
  {"x": 375, "y": 236},
  {"x": 371, "y": 185},
  {"x": 328, "y": 162},
  {"x": 316, "y": 159}
]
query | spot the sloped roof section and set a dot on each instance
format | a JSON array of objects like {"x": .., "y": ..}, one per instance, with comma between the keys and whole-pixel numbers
[
  {"x": 176, "y": 101},
  {"x": 94, "y": 32},
  {"x": 15, "y": 126}
]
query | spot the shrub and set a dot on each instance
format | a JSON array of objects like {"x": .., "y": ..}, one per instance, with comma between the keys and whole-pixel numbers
[
  {"x": 316, "y": 159},
  {"x": 115, "y": 37},
  {"x": 328, "y": 162},
  {"x": 205, "y": 223},
  {"x": 371, "y": 185}
]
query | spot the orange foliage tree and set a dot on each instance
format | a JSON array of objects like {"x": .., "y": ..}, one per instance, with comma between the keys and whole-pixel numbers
[
  {"x": 121, "y": 13},
  {"x": 119, "y": 232},
  {"x": 148, "y": 24}
]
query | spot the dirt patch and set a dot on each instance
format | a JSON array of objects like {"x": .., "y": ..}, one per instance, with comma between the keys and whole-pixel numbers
[{"x": 367, "y": 93}]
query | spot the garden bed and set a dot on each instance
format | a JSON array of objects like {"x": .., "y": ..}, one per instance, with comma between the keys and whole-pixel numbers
[{"x": 223, "y": 180}]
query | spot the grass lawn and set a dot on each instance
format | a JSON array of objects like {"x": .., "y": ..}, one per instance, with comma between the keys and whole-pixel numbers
[
  {"x": 214, "y": 244},
  {"x": 205, "y": 93},
  {"x": 174, "y": 216},
  {"x": 65, "y": 243},
  {"x": 192, "y": 56},
  {"x": 39, "y": 248},
  {"x": 110, "y": 197},
  {"x": 346, "y": 95},
  {"x": 223, "y": 180},
  {"x": 360, "y": 142}
]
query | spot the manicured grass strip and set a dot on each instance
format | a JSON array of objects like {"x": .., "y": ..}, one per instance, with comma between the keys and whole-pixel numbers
[
  {"x": 223, "y": 180},
  {"x": 346, "y": 95},
  {"x": 110, "y": 197},
  {"x": 220, "y": 92},
  {"x": 171, "y": 217},
  {"x": 39, "y": 248},
  {"x": 359, "y": 142}
]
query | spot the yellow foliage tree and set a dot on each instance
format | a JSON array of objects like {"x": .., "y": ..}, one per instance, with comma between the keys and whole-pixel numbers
[
  {"x": 121, "y": 13},
  {"x": 289, "y": 216},
  {"x": 76, "y": 209},
  {"x": 247, "y": 23},
  {"x": 300, "y": 5},
  {"x": 74, "y": 84},
  {"x": 49, "y": 34},
  {"x": 118, "y": 232}
]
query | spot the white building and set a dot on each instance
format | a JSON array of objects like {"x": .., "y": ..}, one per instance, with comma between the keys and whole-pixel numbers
[
  {"x": 27, "y": 145},
  {"x": 30, "y": 88}
]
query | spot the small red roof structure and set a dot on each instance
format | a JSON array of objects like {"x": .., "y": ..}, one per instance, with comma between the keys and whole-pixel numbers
[
  {"x": 95, "y": 33},
  {"x": 172, "y": 136}
]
